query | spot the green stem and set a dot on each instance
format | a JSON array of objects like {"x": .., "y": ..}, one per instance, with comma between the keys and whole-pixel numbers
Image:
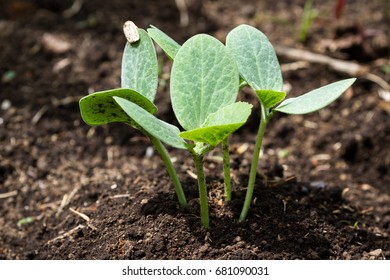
[
  {"x": 171, "y": 170},
  {"x": 204, "y": 205},
  {"x": 255, "y": 160},
  {"x": 226, "y": 169}
]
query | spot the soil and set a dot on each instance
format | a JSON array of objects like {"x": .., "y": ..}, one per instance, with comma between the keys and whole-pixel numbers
[{"x": 69, "y": 191}]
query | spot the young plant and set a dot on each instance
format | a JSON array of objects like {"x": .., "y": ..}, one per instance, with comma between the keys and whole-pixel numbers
[
  {"x": 171, "y": 47},
  {"x": 204, "y": 87},
  {"x": 139, "y": 81},
  {"x": 308, "y": 16},
  {"x": 260, "y": 69}
]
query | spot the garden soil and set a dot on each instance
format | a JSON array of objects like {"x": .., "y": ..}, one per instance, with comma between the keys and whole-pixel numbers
[{"x": 70, "y": 191}]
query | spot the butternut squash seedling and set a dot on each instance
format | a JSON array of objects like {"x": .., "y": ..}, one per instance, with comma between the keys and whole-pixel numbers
[{"x": 260, "y": 69}]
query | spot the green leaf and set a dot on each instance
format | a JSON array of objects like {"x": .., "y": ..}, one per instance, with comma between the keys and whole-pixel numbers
[
  {"x": 204, "y": 78},
  {"x": 220, "y": 124},
  {"x": 166, "y": 132},
  {"x": 255, "y": 57},
  {"x": 270, "y": 98},
  {"x": 168, "y": 45},
  {"x": 233, "y": 113},
  {"x": 99, "y": 108},
  {"x": 140, "y": 66},
  {"x": 315, "y": 99}
]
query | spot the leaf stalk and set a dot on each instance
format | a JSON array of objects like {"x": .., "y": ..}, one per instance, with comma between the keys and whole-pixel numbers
[
  {"x": 204, "y": 204},
  {"x": 265, "y": 117},
  {"x": 170, "y": 169},
  {"x": 226, "y": 169}
]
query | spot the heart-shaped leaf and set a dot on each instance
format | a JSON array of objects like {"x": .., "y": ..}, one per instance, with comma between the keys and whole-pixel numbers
[
  {"x": 220, "y": 124},
  {"x": 167, "y": 44},
  {"x": 270, "y": 98},
  {"x": 255, "y": 57},
  {"x": 204, "y": 78},
  {"x": 166, "y": 132},
  {"x": 99, "y": 108},
  {"x": 315, "y": 99},
  {"x": 140, "y": 66}
]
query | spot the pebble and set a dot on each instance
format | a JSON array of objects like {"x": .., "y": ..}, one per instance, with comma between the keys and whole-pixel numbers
[
  {"x": 376, "y": 253},
  {"x": 54, "y": 44}
]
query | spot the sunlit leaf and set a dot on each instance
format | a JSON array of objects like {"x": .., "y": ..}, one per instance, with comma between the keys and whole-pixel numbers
[
  {"x": 166, "y": 43},
  {"x": 140, "y": 66},
  {"x": 99, "y": 108},
  {"x": 270, "y": 98},
  {"x": 315, "y": 99},
  {"x": 220, "y": 124},
  {"x": 255, "y": 57},
  {"x": 166, "y": 132},
  {"x": 204, "y": 79}
]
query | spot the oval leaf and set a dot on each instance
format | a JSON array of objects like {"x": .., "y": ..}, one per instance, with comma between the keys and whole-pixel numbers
[
  {"x": 167, "y": 44},
  {"x": 99, "y": 108},
  {"x": 315, "y": 99},
  {"x": 256, "y": 58},
  {"x": 220, "y": 124},
  {"x": 166, "y": 132},
  {"x": 212, "y": 135},
  {"x": 270, "y": 98},
  {"x": 204, "y": 78},
  {"x": 234, "y": 113},
  {"x": 140, "y": 66}
]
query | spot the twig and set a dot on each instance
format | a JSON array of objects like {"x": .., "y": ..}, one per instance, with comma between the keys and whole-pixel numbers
[
  {"x": 66, "y": 200},
  {"x": 347, "y": 67},
  {"x": 8, "y": 194},
  {"x": 74, "y": 9},
  {"x": 65, "y": 101},
  {"x": 66, "y": 234},
  {"x": 82, "y": 215},
  {"x": 85, "y": 217},
  {"x": 119, "y": 196},
  {"x": 39, "y": 115}
]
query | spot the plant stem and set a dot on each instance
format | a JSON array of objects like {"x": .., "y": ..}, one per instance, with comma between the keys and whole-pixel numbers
[
  {"x": 226, "y": 169},
  {"x": 171, "y": 170},
  {"x": 204, "y": 204},
  {"x": 252, "y": 174}
]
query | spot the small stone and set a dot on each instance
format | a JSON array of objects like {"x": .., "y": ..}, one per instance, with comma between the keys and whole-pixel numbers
[
  {"x": 376, "y": 253},
  {"x": 54, "y": 44},
  {"x": 5, "y": 105},
  {"x": 144, "y": 201},
  {"x": 237, "y": 239}
]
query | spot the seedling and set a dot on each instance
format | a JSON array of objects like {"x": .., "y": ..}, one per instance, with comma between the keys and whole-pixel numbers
[
  {"x": 204, "y": 87},
  {"x": 260, "y": 69},
  {"x": 171, "y": 47},
  {"x": 139, "y": 79},
  {"x": 205, "y": 80},
  {"x": 308, "y": 17}
]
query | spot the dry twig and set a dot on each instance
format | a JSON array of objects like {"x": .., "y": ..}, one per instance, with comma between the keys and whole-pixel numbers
[
  {"x": 347, "y": 67},
  {"x": 66, "y": 234},
  {"x": 8, "y": 194},
  {"x": 66, "y": 200}
]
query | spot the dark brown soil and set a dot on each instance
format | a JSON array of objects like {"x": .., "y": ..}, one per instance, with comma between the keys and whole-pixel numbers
[{"x": 327, "y": 194}]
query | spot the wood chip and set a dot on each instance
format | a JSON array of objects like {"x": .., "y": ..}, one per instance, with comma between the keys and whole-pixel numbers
[{"x": 8, "y": 194}]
